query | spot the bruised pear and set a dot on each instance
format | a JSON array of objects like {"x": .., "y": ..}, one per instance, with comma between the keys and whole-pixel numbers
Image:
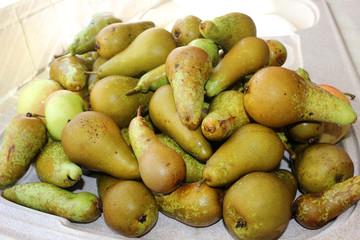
[
  {"x": 187, "y": 69},
  {"x": 195, "y": 204},
  {"x": 257, "y": 206},
  {"x": 161, "y": 168},
  {"x": 277, "y": 96},
  {"x": 278, "y": 52}
]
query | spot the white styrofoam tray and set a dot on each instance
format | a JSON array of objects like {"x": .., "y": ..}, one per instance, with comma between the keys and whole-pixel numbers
[{"x": 311, "y": 37}]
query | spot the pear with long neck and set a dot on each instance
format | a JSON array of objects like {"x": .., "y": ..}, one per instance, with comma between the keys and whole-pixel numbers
[
  {"x": 187, "y": 69},
  {"x": 277, "y": 96},
  {"x": 161, "y": 168}
]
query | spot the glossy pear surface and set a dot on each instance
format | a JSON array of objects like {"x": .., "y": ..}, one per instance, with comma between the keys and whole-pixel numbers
[
  {"x": 277, "y": 96},
  {"x": 187, "y": 69},
  {"x": 164, "y": 116},
  {"x": 148, "y": 51},
  {"x": 93, "y": 140}
]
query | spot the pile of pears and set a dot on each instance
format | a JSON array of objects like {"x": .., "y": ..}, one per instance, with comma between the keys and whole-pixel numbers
[{"x": 193, "y": 123}]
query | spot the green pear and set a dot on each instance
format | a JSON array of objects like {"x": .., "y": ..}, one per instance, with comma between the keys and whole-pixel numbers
[
  {"x": 277, "y": 96},
  {"x": 321, "y": 165},
  {"x": 129, "y": 208},
  {"x": 54, "y": 166},
  {"x": 257, "y": 206},
  {"x": 148, "y": 51},
  {"x": 226, "y": 114},
  {"x": 32, "y": 98},
  {"x": 186, "y": 29},
  {"x": 94, "y": 141},
  {"x": 24, "y": 137},
  {"x": 278, "y": 53},
  {"x": 60, "y": 106},
  {"x": 228, "y": 29},
  {"x": 315, "y": 210},
  {"x": 93, "y": 78},
  {"x": 115, "y": 37},
  {"x": 104, "y": 182},
  {"x": 244, "y": 58},
  {"x": 46, "y": 197},
  {"x": 303, "y": 73},
  {"x": 161, "y": 168},
  {"x": 194, "y": 167},
  {"x": 187, "y": 69},
  {"x": 151, "y": 80},
  {"x": 208, "y": 46},
  {"x": 164, "y": 116},
  {"x": 85, "y": 40},
  {"x": 108, "y": 96},
  {"x": 195, "y": 204},
  {"x": 252, "y": 147},
  {"x": 69, "y": 72}
]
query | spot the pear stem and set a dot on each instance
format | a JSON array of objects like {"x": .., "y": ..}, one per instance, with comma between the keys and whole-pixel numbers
[
  {"x": 139, "y": 111},
  {"x": 61, "y": 54},
  {"x": 132, "y": 91},
  {"x": 90, "y": 72},
  {"x": 34, "y": 115},
  {"x": 202, "y": 181},
  {"x": 352, "y": 96}
]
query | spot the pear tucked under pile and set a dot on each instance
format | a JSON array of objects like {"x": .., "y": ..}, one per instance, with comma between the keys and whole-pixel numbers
[{"x": 193, "y": 123}]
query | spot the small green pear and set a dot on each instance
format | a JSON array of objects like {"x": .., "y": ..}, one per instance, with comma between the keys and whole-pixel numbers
[
  {"x": 32, "y": 98},
  {"x": 244, "y": 58},
  {"x": 60, "y": 106},
  {"x": 226, "y": 114},
  {"x": 148, "y": 51},
  {"x": 278, "y": 52},
  {"x": 115, "y": 37},
  {"x": 85, "y": 40},
  {"x": 195, "y": 204},
  {"x": 277, "y": 96},
  {"x": 257, "y": 206},
  {"x": 228, "y": 29},
  {"x": 94, "y": 141},
  {"x": 130, "y": 208},
  {"x": 315, "y": 210},
  {"x": 208, "y": 46},
  {"x": 24, "y": 137},
  {"x": 252, "y": 147},
  {"x": 54, "y": 166},
  {"x": 164, "y": 116},
  {"x": 46, "y": 197},
  {"x": 186, "y": 29},
  {"x": 187, "y": 69},
  {"x": 161, "y": 168}
]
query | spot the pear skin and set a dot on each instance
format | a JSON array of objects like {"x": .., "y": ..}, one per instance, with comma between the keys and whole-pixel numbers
[
  {"x": 89, "y": 58},
  {"x": 252, "y": 204},
  {"x": 187, "y": 69},
  {"x": 54, "y": 166},
  {"x": 24, "y": 137},
  {"x": 278, "y": 53},
  {"x": 277, "y": 96},
  {"x": 85, "y": 40},
  {"x": 161, "y": 168},
  {"x": 226, "y": 114},
  {"x": 151, "y": 80},
  {"x": 164, "y": 116},
  {"x": 115, "y": 37},
  {"x": 186, "y": 29},
  {"x": 109, "y": 96},
  {"x": 252, "y": 147},
  {"x": 195, "y": 204},
  {"x": 46, "y": 197},
  {"x": 228, "y": 29},
  {"x": 104, "y": 182},
  {"x": 244, "y": 58},
  {"x": 209, "y": 46},
  {"x": 288, "y": 179},
  {"x": 314, "y": 210},
  {"x": 102, "y": 146},
  {"x": 93, "y": 78},
  {"x": 148, "y": 51}
]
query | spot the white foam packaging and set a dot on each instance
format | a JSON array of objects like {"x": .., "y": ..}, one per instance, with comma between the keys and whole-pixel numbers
[{"x": 32, "y": 31}]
